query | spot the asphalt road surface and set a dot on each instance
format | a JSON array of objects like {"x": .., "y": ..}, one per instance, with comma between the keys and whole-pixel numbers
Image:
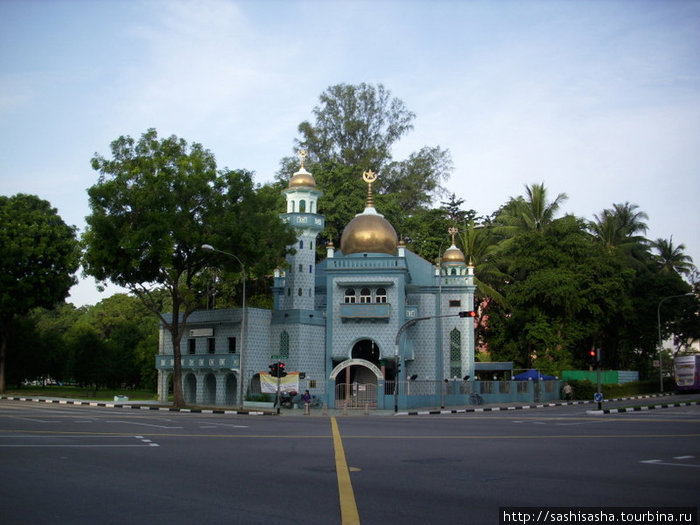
[{"x": 80, "y": 464}]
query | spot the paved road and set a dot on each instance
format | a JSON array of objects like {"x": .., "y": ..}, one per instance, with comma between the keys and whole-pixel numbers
[{"x": 110, "y": 465}]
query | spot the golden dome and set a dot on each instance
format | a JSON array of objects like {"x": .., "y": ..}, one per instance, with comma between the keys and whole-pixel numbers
[
  {"x": 453, "y": 255},
  {"x": 369, "y": 232},
  {"x": 302, "y": 178}
]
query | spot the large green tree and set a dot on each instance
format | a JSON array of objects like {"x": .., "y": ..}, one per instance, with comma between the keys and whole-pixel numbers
[
  {"x": 40, "y": 255},
  {"x": 560, "y": 289},
  {"x": 355, "y": 128},
  {"x": 156, "y": 202}
]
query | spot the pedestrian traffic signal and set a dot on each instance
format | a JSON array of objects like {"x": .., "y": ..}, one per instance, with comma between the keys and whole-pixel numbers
[
  {"x": 468, "y": 313},
  {"x": 280, "y": 370}
]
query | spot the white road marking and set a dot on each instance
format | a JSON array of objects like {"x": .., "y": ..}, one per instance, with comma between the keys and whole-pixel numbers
[{"x": 142, "y": 424}]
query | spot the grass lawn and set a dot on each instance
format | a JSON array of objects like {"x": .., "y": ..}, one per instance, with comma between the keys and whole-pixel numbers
[{"x": 74, "y": 392}]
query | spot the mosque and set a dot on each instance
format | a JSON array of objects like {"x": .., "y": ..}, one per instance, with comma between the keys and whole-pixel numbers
[{"x": 372, "y": 325}]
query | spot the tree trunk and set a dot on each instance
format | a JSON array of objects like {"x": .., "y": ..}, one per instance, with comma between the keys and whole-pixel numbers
[{"x": 176, "y": 337}]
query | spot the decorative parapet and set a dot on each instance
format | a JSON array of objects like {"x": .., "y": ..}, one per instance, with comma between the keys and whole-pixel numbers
[
  {"x": 200, "y": 362},
  {"x": 365, "y": 312}
]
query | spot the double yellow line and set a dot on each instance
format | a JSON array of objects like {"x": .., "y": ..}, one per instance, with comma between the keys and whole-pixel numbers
[{"x": 348, "y": 507}]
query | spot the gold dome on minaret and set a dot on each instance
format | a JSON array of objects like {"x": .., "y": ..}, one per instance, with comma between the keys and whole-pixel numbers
[
  {"x": 302, "y": 178},
  {"x": 369, "y": 231},
  {"x": 453, "y": 255}
]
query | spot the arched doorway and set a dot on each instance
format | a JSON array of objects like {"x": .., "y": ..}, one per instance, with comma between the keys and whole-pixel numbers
[
  {"x": 209, "y": 390},
  {"x": 366, "y": 349},
  {"x": 231, "y": 389},
  {"x": 356, "y": 384},
  {"x": 190, "y": 389}
]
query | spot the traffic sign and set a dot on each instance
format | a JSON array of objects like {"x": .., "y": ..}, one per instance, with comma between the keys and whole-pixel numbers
[{"x": 598, "y": 397}]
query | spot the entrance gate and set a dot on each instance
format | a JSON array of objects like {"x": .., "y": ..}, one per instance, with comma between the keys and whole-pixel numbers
[
  {"x": 356, "y": 395},
  {"x": 359, "y": 389}
]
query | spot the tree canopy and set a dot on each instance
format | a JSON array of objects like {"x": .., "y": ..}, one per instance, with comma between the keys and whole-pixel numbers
[
  {"x": 156, "y": 202},
  {"x": 355, "y": 128},
  {"x": 40, "y": 255}
]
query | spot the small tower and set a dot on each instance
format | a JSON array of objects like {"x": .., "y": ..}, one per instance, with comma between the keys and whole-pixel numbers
[
  {"x": 453, "y": 262},
  {"x": 302, "y": 207}
]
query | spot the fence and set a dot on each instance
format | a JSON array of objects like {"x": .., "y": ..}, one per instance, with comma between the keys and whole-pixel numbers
[{"x": 422, "y": 394}]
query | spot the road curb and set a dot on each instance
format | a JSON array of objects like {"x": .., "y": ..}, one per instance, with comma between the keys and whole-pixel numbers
[
  {"x": 524, "y": 407},
  {"x": 641, "y": 408},
  {"x": 139, "y": 406}
]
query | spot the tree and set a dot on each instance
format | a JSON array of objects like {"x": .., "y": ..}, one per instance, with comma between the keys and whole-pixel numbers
[
  {"x": 531, "y": 212},
  {"x": 559, "y": 292},
  {"x": 155, "y": 203},
  {"x": 619, "y": 229},
  {"x": 40, "y": 255},
  {"x": 354, "y": 130},
  {"x": 671, "y": 258},
  {"x": 356, "y": 125}
]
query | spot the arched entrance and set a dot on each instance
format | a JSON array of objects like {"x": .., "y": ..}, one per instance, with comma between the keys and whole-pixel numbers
[
  {"x": 231, "y": 389},
  {"x": 190, "y": 389},
  {"x": 356, "y": 384},
  {"x": 209, "y": 390}
]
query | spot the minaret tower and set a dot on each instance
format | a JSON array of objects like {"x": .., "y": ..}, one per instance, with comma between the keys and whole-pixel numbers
[{"x": 302, "y": 213}]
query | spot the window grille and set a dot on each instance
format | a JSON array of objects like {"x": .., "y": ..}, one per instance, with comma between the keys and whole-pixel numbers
[
  {"x": 284, "y": 344},
  {"x": 365, "y": 295},
  {"x": 350, "y": 295},
  {"x": 455, "y": 353}
]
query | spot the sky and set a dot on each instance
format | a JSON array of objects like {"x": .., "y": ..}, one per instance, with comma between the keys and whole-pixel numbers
[{"x": 599, "y": 99}]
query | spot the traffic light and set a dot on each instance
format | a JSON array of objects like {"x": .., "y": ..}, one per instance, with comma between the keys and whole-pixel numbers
[
  {"x": 594, "y": 357},
  {"x": 467, "y": 313},
  {"x": 274, "y": 370},
  {"x": 280, "y": 370}
]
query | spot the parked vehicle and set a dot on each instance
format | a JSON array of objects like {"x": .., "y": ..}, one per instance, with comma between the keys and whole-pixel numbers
[{"x": 686, "y": 370}]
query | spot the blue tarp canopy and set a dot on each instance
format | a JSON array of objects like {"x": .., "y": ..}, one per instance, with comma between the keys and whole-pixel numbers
[{"x": 533, "y": 374}]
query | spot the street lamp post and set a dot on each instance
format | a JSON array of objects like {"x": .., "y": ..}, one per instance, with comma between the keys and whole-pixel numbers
[
  {"x": 241, "y": 379},
  {"x": 658, "y": 319}
]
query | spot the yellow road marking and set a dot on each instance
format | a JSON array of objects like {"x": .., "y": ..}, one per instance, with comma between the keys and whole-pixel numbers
[{"x": 348, "y": 507}]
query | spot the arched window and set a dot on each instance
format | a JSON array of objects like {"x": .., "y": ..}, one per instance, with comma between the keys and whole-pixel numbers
[
  {"x": 302, "y": 206},
  {"x": 380, "y": 296},
  {"x": 365, "y": 295},
  {"x": 291, "y": 208},
  {"x": 311, "y": 245},
  {"x": 299, "y": 292},
  {"x": 284, "y": 344},
  {"x": 301, "y": 244},
  {"x": 455, "y": 353},
  {"x": 350, "y": 295}
]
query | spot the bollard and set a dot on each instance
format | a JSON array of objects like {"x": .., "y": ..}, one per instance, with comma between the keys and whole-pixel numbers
[{"x": 367, "y": 409}]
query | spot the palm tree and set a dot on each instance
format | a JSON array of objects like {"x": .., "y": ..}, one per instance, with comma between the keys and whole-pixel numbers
[
  {"x": 480, "y": 249},
  {"x": 532, "y": 212},
  {"x": 618, "y": 228},
  {"x": 672, "y": 258}
]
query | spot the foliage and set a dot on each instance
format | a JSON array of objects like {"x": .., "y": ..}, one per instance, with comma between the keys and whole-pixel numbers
[
  {"x": 354, "y": 130},
  {"x": 156, "y": 202},
  {"x": 355, "y": 125},
  {"x": 40, "y": 255}
]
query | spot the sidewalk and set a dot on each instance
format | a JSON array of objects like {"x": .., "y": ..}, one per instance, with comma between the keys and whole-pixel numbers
[{"x": 692, "y": 399}]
